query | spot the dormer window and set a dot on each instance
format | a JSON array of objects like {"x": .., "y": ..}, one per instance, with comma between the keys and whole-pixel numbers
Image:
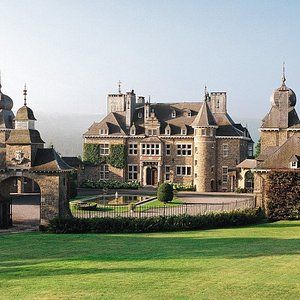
[
  {"x": 168, "y": 132},
  {"x": 132, "y": 131},
  {"x": 103, "y": 131},
  {"x": 140, "y": 115},
  {"x": 294, "y": 162},
  {"x": 173, "y": 115},
  {"x": 187, "y": 113},
  {"x": 183, "y": 131}
]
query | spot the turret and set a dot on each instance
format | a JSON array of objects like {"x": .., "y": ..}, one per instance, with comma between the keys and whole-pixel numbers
[
  {"x": 205, "y": 149},
  {"x": 23, "y": 142}
]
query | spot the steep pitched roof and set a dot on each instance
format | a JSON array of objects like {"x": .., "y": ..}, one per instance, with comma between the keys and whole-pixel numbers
[
  {"x": 280, "y": 158},
  {"x": 204, "y": 117},
  {"x": 24, "y": 137},
  {"x": 48, "y": 160}
]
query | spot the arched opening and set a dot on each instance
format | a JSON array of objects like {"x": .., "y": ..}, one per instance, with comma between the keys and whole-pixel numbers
[
  {"x": 24, "y": 197},
  {"x": 212, "y": 185},
  {"x": 151, "y": 176},
  {"x": 249, "y": 181}
]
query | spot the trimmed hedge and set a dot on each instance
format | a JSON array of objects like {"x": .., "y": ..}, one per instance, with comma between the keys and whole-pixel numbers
[
  {"x": 165, "y": 193},
  {"x": 156, "y": 224},
  {"x": 283, "y": 193},
  {"x": 109, "y": 184},
  {"x": 183, "y": 187}
]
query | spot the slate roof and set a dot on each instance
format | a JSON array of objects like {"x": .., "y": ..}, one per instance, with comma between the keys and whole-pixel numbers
[
  {"x": 24, "y": 137},
  {"x": 72, "y": 161},
  {"x": 204, "y": 117},
  {"x": 247, "y": 164},
  {"x": 116, "y": 121},
  {"x": 48, "y": 160},
  {"x": 281, "y": 157}
]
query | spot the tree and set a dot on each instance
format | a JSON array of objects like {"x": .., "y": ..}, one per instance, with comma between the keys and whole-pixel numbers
[
  {"x": 165, "y": 192},
  {"x": 257, "y": 148}
]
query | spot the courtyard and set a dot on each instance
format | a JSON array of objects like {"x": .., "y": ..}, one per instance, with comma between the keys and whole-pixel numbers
[{"x": 256, "y": 262}]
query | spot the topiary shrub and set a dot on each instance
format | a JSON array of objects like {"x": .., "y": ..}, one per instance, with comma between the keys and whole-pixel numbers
[{"x": 165, "y": 192}]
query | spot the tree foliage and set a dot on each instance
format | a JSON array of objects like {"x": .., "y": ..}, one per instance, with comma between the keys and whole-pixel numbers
[
  {"x": 283, "y": 193},
  {"x": 257, "y": 148}
]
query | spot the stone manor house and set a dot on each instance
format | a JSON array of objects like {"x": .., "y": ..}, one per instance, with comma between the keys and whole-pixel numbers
[{"x": 194, "y": 143}]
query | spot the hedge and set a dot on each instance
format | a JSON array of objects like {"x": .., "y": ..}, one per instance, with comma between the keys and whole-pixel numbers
[
  {"x": 283, "y": 194},
  {"x": 109, "y": 184},
  {"x": 156, "y": 224}
]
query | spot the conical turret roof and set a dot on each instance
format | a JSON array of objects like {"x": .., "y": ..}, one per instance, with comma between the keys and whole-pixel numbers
[{"x": 204, "y": 117}]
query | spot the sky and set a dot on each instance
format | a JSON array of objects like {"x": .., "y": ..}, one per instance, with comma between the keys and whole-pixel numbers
[{"x": 72, "y": 53}]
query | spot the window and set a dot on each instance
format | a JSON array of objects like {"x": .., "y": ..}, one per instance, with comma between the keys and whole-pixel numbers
[
  {"x": 225, "y": 150},
  {"x": 103, "y": 131},
  {"x": 250, "y": 150},
  {"x": 168, "y": 149},
  {"x": 152, "y": 132},
  {"x": 196, "y": 162},
  {"x": 132, "y": 172},
  {"x": 104, "y": 172},
  {"x": 218, "y": 104},
  {"x": 183, "y": 170},
  {"x": 184, "y": 149},
  {"x": 167, "y": 173},
  {"x": 224, "y": 174},
  {"x": 294, "y": 164},
  {"x": 183, "y": 131},
  {"x": 133, "y": 149},
  {"x": 173, "y": 115},
  {"x": 168, "y": 131},
  {"x": 140, "y": 115},
  {"x": 189, "y": 113},
  {"x": 150, "y": 149},
  {"x": 104, "y": 149},
  {"x": 211, "y": 132},
  {"x": 203, "y": 131},
  {"x": 212, "y": 168},
  {"x": 196, "y": 150},
  {"x": 132, "y": 131}
]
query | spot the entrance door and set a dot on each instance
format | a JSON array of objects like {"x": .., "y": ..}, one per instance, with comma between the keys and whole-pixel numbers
[{"x": 151, "y": 176}]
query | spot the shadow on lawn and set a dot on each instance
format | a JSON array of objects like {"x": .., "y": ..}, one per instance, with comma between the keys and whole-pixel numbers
[{"x": 49, "y": 257}]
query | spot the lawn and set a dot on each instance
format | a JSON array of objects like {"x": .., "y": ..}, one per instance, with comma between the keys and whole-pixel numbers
[{"x": 257, "y": 262}]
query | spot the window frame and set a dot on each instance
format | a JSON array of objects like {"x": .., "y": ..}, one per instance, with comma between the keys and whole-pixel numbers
[{"x": 132, "y": 172}]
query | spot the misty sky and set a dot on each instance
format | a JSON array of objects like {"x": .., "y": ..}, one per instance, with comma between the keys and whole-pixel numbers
[{"x": 72, "y": 53}]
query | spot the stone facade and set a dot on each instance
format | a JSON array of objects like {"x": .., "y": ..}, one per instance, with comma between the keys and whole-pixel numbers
[
  {"x": 24, "y": 158},
  {"x": 194, "y": 143}
]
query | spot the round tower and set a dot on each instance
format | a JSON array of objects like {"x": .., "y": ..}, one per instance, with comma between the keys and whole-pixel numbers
[{"x": 205, "y": 149}]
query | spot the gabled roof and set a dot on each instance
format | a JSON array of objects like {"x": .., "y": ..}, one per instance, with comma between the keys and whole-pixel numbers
[
  {"x": 247, "y": 164},
  {"x": 72, "y": 161},
  {"x": 113, "y": 121},
  {"x": 48, "y": 160}
]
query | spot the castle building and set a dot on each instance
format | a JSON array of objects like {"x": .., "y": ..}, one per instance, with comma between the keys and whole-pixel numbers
[
  {"x": 195, "y": 143},
  {"x": 280, "y": 139}
]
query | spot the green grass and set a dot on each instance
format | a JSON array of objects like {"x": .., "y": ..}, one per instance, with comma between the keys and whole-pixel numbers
[
  {"x": 156, "y": 203},
  {"x": 257, "y": 262}
]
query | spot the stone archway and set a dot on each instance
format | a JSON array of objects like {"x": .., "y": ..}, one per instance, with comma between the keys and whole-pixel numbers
[
  {"x": 24, "y": 196},
  {"x": 53, "y": 191}
]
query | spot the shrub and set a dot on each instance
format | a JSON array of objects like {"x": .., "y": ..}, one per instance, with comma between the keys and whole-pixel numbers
[
  {"x": 109, "y": 184},
  {"x": 165, "y": 192},
  {"x": 183, "y": 187},
  {"x": 283, "y": 193},
  {"x": 156, "y": 224}
]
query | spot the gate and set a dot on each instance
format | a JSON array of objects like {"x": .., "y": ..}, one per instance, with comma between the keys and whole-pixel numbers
[{"x": 5, "y": 214}]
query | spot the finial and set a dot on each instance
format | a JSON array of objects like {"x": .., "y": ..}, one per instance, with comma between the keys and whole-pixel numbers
[
  {"x": 25, "y": 94},
  {"x": 205, "y": 93},
  {"x": 149, "y": 98},
  {"x": 283, "y": 74},
  {"x": 119, "y": 86}
]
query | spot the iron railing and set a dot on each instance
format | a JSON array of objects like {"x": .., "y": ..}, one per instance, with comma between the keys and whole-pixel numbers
[{"x": 144, "y": 210}]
